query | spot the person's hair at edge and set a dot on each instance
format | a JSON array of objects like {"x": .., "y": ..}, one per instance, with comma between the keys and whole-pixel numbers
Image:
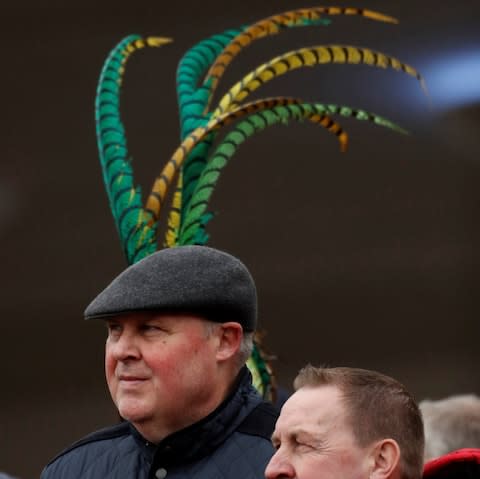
[
  {"x": 378, "y": 407},
  {"x": 451, "y": 423}
]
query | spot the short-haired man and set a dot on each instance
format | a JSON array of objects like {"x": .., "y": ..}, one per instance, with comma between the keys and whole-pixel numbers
[
  {"x": 180, "y": 325},
  {"x": 347, "y": 423}
]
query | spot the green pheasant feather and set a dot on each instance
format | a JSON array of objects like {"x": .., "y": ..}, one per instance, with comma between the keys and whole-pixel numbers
[{"x": 136, "y": 235}]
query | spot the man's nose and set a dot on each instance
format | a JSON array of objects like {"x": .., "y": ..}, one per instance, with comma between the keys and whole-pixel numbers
[
  {"x": 125, "y": 347},
  {"x": 279, "y": 467}
]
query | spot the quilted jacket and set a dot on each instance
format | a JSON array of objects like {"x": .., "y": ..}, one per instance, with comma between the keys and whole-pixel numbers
[{"x": 232, "y": 442}]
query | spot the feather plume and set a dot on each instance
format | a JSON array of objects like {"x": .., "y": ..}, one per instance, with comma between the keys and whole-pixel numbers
[
  {"x": 192, "y": 95},
  {"x": 275, "y": 24},
  {"x": 160, "y": 186},
  {"x": 308, "y": 57},
  {"x": 173, "y": 225},
  {"x": 192, "y": 100},
  {"x": 196, "y": 217},
  {"x": 136, "y": 236}
]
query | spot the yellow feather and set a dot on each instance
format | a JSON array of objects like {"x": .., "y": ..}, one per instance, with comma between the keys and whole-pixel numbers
[
  {"x": 174, "y": 216},
  {"x": 307, "y": 57},
  {"x": 273, "y": 25}
]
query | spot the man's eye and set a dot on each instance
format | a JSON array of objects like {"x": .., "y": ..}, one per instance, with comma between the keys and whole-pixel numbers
[
  {"x": 114, "y": 330},
  {"x": 150, "y": 328},
  {"x": 302, "y": 445}
]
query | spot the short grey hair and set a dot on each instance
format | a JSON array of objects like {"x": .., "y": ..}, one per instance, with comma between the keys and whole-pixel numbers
[
  {"x": 450, "y": 424},
  {"x": 245, "y": 350},
  {"x": 246, "y": 346}
]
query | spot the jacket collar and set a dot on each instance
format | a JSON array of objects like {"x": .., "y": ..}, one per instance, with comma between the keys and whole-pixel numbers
[{"x": 203, "y": 437}]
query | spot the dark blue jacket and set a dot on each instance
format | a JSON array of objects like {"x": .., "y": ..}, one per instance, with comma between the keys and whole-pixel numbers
[{"x": 232, "y": 442}]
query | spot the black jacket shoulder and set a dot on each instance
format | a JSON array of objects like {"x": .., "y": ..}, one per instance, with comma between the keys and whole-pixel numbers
[{"x": 107, "y": 433}]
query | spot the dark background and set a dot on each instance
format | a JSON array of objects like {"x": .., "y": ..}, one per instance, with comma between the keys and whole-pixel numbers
[{"x": 368, "y": 258}]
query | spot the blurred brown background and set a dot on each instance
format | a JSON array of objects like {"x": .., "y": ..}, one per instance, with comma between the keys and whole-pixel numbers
[{"x": 367, "y": 259}]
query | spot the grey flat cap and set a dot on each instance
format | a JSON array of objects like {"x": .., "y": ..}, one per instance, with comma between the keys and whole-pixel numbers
[{"x": 195, "y": 279}]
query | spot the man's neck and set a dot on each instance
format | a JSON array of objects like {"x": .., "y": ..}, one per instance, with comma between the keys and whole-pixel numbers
[{"x": 154, "y": 432}]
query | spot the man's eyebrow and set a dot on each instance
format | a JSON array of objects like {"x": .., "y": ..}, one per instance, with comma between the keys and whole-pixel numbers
[
  {"x": 295, "y": 433},
  {"x": 304, "y": 434}
]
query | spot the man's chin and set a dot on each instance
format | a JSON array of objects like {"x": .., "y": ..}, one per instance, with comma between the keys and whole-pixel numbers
[{"x": 134, "y": 413}]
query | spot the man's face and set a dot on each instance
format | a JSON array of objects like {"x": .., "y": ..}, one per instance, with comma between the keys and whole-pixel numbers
[
  {"x": 161, "y": 370},
  {"x": 314, "y": 440}
]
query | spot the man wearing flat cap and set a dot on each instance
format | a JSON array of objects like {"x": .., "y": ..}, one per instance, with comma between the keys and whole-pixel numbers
[{"x": 180, "y": 325}]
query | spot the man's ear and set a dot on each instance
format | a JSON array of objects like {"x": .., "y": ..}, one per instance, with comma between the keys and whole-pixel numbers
[
  {"x": 231, "y": 335},
  {"x": 385, "y": 460}
]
